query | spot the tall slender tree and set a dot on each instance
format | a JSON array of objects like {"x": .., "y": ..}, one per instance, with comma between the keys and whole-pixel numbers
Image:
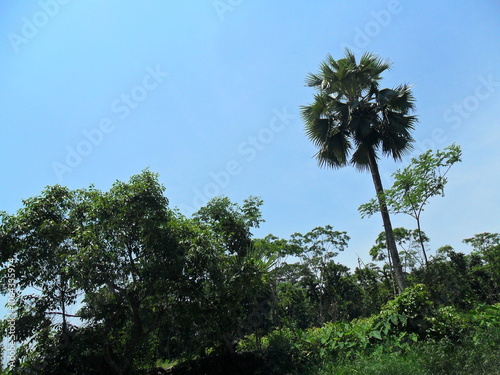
[
  {"x": 352, "y": 121},
  {"x": 424, "y": 178}
]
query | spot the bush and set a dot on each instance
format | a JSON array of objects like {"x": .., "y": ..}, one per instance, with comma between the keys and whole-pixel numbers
[
  {"x": 415, "y": 304},
  {"x": 281, "y": 349},
  {"x": 283, "y": 354}
]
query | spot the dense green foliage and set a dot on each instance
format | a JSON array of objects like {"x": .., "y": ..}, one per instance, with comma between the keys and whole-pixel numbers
[{"x": 117, "y": 282}]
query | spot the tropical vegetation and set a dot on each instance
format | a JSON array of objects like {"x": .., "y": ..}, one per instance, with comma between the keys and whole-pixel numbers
[{"x": 120, "y": 282}]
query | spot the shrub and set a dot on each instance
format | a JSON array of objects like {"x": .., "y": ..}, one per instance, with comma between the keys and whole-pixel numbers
[{"x": 415, "y": 304}]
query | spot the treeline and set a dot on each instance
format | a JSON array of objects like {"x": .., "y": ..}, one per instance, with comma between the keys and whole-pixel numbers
[{"x": 152, "y": 286}]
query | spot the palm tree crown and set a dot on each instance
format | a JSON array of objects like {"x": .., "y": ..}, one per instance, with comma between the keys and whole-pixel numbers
[{"x": 351, "y": 118}]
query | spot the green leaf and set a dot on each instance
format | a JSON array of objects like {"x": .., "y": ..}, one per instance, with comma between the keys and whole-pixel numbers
[
  {"x": 394, "y": 318},
  {"x": 403, "y": 319}
]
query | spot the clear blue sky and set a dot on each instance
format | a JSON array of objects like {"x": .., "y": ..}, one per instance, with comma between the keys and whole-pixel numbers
[{"x": 208, "y": 94}]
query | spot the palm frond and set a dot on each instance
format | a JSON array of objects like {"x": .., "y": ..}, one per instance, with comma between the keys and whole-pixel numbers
[
  {"x": 335, "y": 150},
  {"x": 402, "y": 100},
  {"x": 395, "y": 134},
  {"x": 334, "y": 63},
  {"x": 397, "y": 147},
  {"x": 373, "y": 65},
  {"x": 361, "y": 127},
  {"x": 360, "y": 158},
  {"x": 318, "y": 131},
  {"x": 312, "y": 80},
  {"x": 349, "y": 56}
]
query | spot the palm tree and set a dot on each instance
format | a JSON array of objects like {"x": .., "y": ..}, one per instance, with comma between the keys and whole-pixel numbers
[{"x": 351, "y": 120}]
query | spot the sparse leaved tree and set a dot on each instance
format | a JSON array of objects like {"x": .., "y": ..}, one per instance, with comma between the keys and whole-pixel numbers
[{"x": 422, "y": 179}]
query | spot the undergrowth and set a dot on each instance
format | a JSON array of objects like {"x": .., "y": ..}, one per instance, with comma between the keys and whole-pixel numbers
[{"x": 409, "y": 336}]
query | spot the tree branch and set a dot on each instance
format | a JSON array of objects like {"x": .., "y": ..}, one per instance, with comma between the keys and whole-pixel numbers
[{"x": 62, "y": 313}]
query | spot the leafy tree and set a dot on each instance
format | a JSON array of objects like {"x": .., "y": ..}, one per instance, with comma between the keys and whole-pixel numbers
[
  {"x": 38, "y": 243},
  {"x": 341, "y": 293},
  {"x": 372, "y": 280},
  {"x": 319, "y": 274},
  {"x": 129, "y": 261},
  {"x": 319, "y": 246},
  {"x": 231, "y": 223},
  {"x": 422, "y": 179},
  {"x": 295, "y": 309},
  {"x": 352, "y": 120},
  {"x": 118, "y": 248},
  {"x": 140, "y": 273},
  {"x": 314, "y": 289},
  {"x": 487, "y": 247},
  {"x": 448, "y": 277},
  {"x": 462, "y": 280},
  {"x": 237, "y": 288}
]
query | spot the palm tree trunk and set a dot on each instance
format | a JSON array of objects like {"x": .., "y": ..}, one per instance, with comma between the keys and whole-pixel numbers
[
  {"x": 391, "y": 270},
  {"x": 391, "y": 243}
]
